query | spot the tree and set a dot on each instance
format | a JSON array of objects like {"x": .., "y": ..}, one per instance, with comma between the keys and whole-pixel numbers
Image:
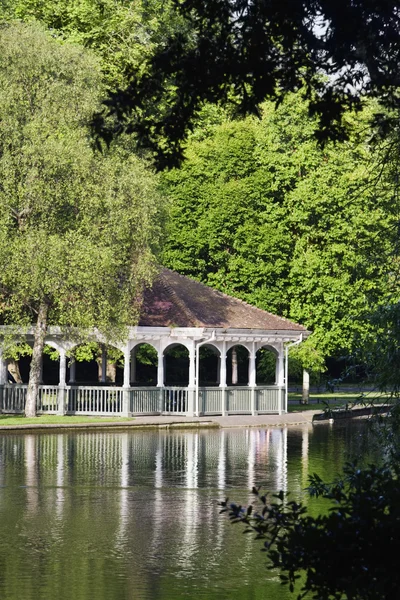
[
  {"x": 261, "y": 212},
  {"x": 244, "y": 51},
  {"x": 121, "y": 34},
  {"x": 77, "y": 230}
]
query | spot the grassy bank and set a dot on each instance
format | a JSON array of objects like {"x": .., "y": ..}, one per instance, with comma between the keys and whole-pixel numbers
[{"x": 320, "y": 401}]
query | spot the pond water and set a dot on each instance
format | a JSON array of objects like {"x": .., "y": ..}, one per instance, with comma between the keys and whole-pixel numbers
[{"x": 134, "y": 515}]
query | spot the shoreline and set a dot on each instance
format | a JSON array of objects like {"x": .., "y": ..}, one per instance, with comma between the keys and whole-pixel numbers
[
  {"x": 307, "y": 417},
  {"x": 158, "y": 422}
]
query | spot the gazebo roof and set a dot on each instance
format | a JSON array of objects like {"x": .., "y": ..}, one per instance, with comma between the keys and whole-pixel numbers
[{"x": 178, "y": 301}]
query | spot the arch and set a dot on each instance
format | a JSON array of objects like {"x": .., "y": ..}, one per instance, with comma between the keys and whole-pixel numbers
[
  {"x": 143, "y": 365},
  {"x": 53, "y": 344},
  {"x": 18, "y": 366},
  {"x": 237, "y": 371},
  {"x": 269, "y": 347},
  {"x": 94, "y": 363},
  {"x": 230, "y": 345},
  {"x": 141, "y": 342},
  {"x": 176, "y": 365},
  {"x": 209, "y": 365}
]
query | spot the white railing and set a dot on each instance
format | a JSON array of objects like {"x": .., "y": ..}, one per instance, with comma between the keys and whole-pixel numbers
[
  {"x": 239, "y": 401},
  {"x": 48, "y": 399},
  {"x": 270, "y": 399},
  {"x": 210, "y": 401},
  {"x": 145, "y": 401},
  {"x": 108, "y": 400},
  {"x": 175, "y": 400},
  {"x": 13, "y": 398},
  {"x": 92, "y": 400}
]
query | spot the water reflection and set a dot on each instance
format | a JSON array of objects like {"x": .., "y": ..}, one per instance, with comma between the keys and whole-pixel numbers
[{"x": 134, "y": 515}]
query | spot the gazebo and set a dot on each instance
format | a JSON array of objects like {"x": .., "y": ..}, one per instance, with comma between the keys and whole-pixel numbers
[{"x": 177, "y": 313}]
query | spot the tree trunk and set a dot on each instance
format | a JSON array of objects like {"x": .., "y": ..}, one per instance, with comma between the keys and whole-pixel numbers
[
  {"x": 37, "y": 361},
  {"x": 13, "y": 368},
  {"x": 234, "y": 367},
  {"x": 111, "y": 372},
  {"x": 106, "y": 370},
  {"x": 306, "y": 387}
]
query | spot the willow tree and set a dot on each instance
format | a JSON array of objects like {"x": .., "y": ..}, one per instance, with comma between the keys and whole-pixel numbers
[{"x": 77, "y": 230}]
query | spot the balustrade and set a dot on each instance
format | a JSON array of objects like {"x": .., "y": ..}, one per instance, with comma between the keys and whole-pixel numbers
[{"x": 145, "y": 401}]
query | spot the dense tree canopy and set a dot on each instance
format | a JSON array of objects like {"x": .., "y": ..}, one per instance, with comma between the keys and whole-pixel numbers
[
  {"x": 261, "y": 212},
  {"x": 77, "y": 230},
  {"x": 122, "y": 34}
]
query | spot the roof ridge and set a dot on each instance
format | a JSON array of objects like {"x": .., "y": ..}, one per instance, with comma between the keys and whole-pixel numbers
[{"x": 231, "y": 298}]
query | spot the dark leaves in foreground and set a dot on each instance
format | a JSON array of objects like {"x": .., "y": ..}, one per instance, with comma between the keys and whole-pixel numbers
[{"x": 351, "y": 551}]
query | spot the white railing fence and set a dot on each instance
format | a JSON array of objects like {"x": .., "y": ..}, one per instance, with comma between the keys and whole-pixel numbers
[
  {"x": 145, "y": 401},
  {"x": 175, "y": 400},
  {"x": 94, "y": 400},
  {"x": 109, "y": 401}
]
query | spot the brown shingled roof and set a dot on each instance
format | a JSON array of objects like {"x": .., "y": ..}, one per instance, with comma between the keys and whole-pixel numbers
[{"x": 178, "y": 301}]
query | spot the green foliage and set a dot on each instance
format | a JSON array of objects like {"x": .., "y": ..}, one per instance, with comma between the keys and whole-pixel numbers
[
  {"x": 146, "y": 355},
  {"x": 266, "y": 362},
  {"x": 93, "y": 351},
  {"x": 121, "y": 34},
  {"x": 51, "y": 352},
  {"x": 348, "y": 552},
  {"x": 261, "y": 212},
  {"x": 14, "y": 351},
  {"x": 240, "y": 53},
  {"x": 381, "y": 353},
  {"x": 77, "y": 230}
]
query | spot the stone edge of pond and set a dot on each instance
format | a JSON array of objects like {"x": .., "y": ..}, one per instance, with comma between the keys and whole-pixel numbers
[
  {"x": 103, "y": 426},
  {"x": 217, "y": 422}
]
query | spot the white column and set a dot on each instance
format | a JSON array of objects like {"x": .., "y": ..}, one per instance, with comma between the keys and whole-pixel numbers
[
  {"x": 3, "y": 369},
  {"x": 61, "y": 383},
  {"x": 125, "y": 400},
  {"x": 160, "y": 369},
  {"x": 222, "y": 363},
  {"x": 127, "y": 356},
  {"x": 133, "y": 366},
  {"x": 103, "y": 364},
  {"x": 252, "y": 369},
  {"x": 62, "y": 368},
  {"x": 281, "y": 367},
  {"x": 72, "y": 370},
  {"x": 192, "y": 367}
]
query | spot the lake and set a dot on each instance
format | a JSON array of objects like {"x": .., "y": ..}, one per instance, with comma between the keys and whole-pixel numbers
[{"x": 98, "y": 515}]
